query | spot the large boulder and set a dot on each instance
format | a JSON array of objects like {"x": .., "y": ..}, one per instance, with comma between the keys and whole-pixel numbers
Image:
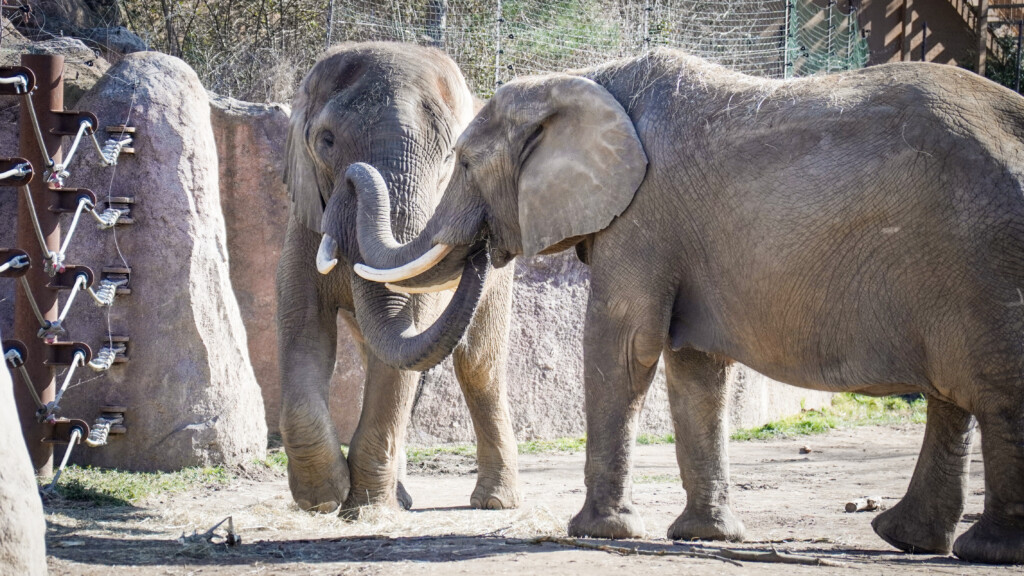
[
  {"x": 22, "y": 529},
  {"x": 189, "y": 389}
]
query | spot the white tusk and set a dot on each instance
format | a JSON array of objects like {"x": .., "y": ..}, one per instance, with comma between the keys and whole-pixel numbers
[
  {"x": 325, "y": 256},
  {"x": 426, "y": 289},
  {"x": 410, "y": 270}
]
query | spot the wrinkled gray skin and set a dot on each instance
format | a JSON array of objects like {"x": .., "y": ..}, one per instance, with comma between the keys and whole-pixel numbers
[
  {"x": 860, "y": 232},
  {"x": 399, "y": 107}
]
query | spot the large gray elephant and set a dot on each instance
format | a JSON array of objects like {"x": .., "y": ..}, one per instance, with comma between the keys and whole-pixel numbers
[
  {"x": 859, "y": 232},
  {"x": 399, "y": 107}
]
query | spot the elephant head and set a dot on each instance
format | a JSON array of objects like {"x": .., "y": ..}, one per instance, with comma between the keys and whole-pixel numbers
[
  {"x": 547, "y": 162},
  {"x": 399, "y": 108}
]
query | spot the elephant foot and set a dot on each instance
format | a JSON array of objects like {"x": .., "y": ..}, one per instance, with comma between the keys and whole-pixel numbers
[
  {"x": 360, "y": 499},
  {"x": 619, "y": 522},
  {"x": 404, "y": 498},
  {"x": 320, "y": 495},
  {"x": 721, "y": 524},
  {"x": 494, "y": 497},
  {"x": 991, "y": 543},
  {"x": 910, "y": 532}
]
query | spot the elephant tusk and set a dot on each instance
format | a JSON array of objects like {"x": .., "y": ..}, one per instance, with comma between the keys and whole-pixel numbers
[
  {"x": 406, "y": 271},
  {"x": 451, "y": 285},
  {"x": 326, "y": 256}
]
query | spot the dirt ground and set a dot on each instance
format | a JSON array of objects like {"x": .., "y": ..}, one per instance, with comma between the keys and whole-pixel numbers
[{"x": 789, "y": 501}]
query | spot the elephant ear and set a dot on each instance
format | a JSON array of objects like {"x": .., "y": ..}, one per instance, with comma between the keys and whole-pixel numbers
[
  {"x": 307, "y": 188},
  {"x": 585, "y": 167}
]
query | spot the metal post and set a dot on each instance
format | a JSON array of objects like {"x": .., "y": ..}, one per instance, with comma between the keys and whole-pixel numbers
[
  {"x": 330, "y": 23},
  {"x": 437, "y": 21},
  {"x": 785, "y": 40},
  {"x": 647, "y": 26},
  {"x": 499, "y": 19},
  {"x": 49, "y": 95},
  {"x": 924, "y": 42},
  {"x": 982, "y": 32},
  {"x": 828, "y": 49},
  {"x": 1016, "y": 72}
]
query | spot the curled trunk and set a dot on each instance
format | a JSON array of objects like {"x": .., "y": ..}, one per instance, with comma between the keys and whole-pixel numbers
[{"x": 386, "y": 318}]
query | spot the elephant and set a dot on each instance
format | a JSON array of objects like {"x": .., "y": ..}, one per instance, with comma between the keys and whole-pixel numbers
[
  {"x": 858, "y": 232},
  {"x": 399, "y": 107}
]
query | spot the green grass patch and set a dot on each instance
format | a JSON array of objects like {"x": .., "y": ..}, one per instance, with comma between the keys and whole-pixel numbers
[
  {"x": 426, "y": 454},
  {"x": 645, "y": 439},
  {"x": 576, "y": 444},
  {"x": 119, "y": 488},
  {"x": 847, "y": 410}
]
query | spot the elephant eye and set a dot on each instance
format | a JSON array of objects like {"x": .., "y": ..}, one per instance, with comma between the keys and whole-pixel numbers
[
  {"x": 328, "y": 138},
  {"x": 449, "y": 157}
]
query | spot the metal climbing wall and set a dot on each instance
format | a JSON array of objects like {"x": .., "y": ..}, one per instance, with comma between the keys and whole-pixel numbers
[{"x": 42, "y": 347}]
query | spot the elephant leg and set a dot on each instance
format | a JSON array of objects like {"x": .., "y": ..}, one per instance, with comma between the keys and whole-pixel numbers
[
  {"x": 318, "y": 475},
  {"x": 480, "y": 368},
  {"x": 998, "y": 537},
  {"x": 925, "y": 519},
  {"x": 620, "y": 358},
  {"x": 698, "y": 395},
  {"x": 377, "y": 451}
]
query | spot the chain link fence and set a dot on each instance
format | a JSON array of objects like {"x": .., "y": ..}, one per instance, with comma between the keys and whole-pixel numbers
[{"x": 257, "y": 49}]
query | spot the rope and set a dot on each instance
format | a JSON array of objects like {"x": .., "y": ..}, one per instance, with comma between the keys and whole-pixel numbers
[
  {"x": 54, "y": 406},
  {"x": 111, "y": 149},
  {"x": 59, "y": 172},
  {"x": 53, "y": 263},
  {"x": 108, "y": 290},
  {"x": 100, "y": 431},
  {"x": 14, "y": 359},
  {"x": 76, "y": 435},
  {"x": 104, "y": 359}
]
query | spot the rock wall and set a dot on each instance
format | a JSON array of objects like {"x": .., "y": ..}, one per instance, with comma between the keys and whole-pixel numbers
[
  {"x": 191, "y": 394},
  {"x": 22, "y": 529}
]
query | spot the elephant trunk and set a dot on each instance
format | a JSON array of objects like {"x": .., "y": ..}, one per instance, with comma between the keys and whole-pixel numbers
[
  {"x": 386, "y": 259},
  {"x": 387, "y": 318}
]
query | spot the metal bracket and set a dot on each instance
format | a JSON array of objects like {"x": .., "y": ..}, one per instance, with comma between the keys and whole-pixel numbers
[
  {"x": 67, "y": 122},
  {"x": 115, "y": 273},
  {"x": 11, "y": 89},
  {"x": 6, "y": 255},
  {"x": 65, "y": 280},
  {"x": 9, "y": 164},
  {"x": 68, "y": 198},
  {"x": 116, "y": 342},
  {"x": 113, "y": 412},
  {"x": 63, "y": 428},
  {"x": 63, "y": 353},
  {"x": 122, "y": 203}
]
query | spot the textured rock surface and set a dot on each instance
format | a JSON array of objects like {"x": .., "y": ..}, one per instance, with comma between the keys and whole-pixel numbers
[
  {"x": 22, "y": 548},
  {"x": 190, "y": 391},
  {"x": 546, "y": 370},
  {"x": 250, "y": 146}
]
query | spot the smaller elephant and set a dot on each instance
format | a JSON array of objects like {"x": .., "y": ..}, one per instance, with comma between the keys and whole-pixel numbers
[
  {"x": 860, "y": 232},
  {"x": 399, "y": 107}
]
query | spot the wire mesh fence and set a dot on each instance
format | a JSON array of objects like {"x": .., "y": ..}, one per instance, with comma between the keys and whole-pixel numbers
[{"x": 257, "y": 49}]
